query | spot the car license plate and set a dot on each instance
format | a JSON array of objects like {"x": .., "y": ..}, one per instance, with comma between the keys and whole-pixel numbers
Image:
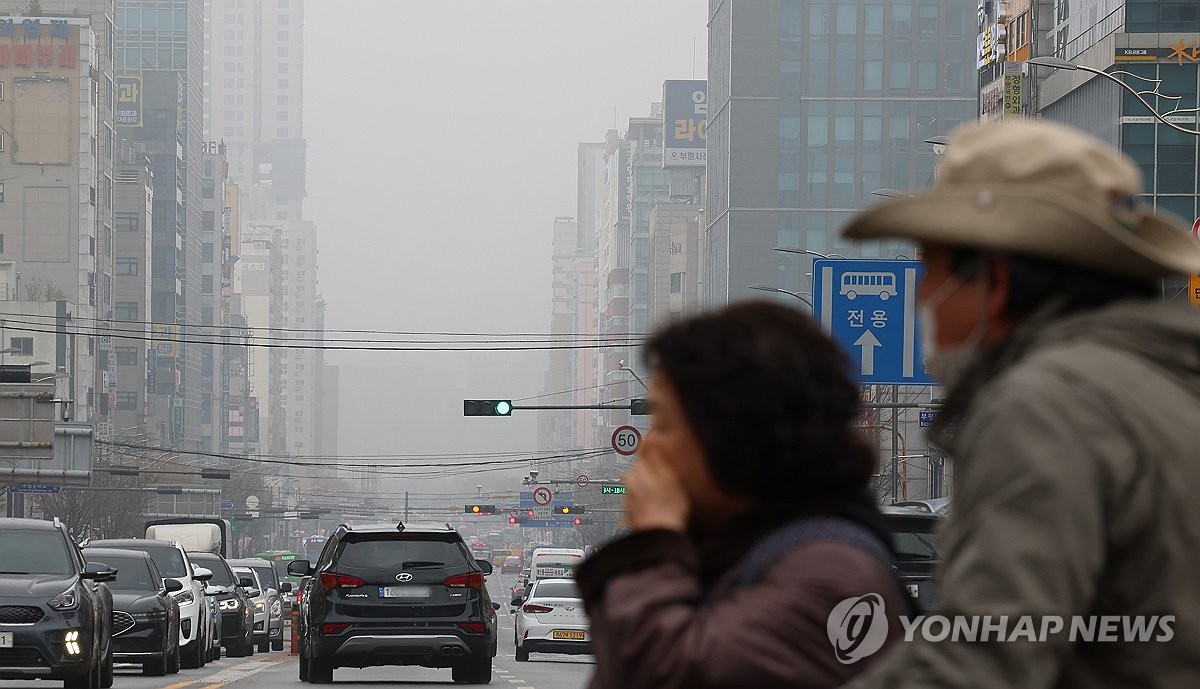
[
  {"x": 570, "y": 636},
  {"x": 405, "y": 591},
  {"x": 6, "y": 640}
]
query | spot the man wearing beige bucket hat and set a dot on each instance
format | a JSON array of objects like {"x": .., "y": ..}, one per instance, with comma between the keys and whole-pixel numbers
[{"x": 1072, "y": 415}]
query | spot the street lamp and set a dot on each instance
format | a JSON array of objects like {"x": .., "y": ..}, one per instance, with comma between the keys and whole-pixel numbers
[
  {"x": 939, "y": 144},
  {"x": 796, "y": 250},
  {"x": 802, "y": 296},
  {"x": 1057, "y": 63}
]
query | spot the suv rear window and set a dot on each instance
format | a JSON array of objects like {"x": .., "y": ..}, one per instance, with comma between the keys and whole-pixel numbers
[{"x": 398, "y": 552}]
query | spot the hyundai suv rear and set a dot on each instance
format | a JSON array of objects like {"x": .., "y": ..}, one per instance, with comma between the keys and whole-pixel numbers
[{"x": 397, "y": 595}]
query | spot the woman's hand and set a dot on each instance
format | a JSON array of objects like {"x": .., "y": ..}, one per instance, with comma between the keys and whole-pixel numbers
[{"x": 655, "y": 497}]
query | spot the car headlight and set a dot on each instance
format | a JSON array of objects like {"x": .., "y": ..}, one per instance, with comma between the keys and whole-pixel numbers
[
  {"x": 276, "y": 608},
  {"x": 184, "y": 597},
  {"x": 259, "y": 607},
  {"x": 67, "y": 600},
  {"x": 231, "y": 604}
]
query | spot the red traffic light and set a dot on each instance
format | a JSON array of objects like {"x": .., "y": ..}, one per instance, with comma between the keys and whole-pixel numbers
[
  {"x": 512, "y": 520},
  {"x": 578, "y": 521}
]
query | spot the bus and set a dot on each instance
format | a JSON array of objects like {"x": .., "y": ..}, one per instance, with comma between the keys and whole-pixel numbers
[
  {"x": 279, "y": 559},
  {"x": 313, "y": 545}
]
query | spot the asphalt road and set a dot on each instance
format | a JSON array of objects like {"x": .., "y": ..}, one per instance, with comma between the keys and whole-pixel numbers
[{"x": 279, "y": 670}]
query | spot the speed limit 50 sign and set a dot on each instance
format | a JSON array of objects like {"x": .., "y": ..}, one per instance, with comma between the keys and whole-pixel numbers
[{"x": 625, "y": 440}]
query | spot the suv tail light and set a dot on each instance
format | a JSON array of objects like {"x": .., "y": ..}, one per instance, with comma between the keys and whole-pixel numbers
[
  {"x": 536, "y": 609},
  {"x": 472, "y": 627},
  {"x": 470, "y": 580},
  {"x": 333, "y": 580},
  {"x": 333, "y": 628}
]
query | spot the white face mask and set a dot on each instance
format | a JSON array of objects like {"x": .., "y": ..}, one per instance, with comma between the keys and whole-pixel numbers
[{"x": 947, "y": 364}]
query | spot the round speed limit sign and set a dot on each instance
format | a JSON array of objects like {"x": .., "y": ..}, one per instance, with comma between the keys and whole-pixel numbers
[{"x": 625, "y": 440}]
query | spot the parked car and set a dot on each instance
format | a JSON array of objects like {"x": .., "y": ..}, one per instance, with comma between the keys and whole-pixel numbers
[
  {"x": 214, "y": 617},
  {"x": 55, "y": 610},
  {"x": 551, "y": 620},
  {"x": 269, "y": 578},
  {"x": 145, "y": 617},
  {"x": 512, "y": 565},
  {"x": 914, "y": 534},
  {"x": 237, "y": 612},
  {"x": 194, "y": 616},
  {"x": 397, "y": 594}
]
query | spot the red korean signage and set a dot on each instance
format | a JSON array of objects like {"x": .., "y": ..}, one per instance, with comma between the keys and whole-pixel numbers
[{"x": 35, "y": 44}]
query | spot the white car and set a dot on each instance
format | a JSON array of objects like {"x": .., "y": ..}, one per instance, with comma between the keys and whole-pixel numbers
[
  {"x": 261, "y": 598},
  {"x": 551, "y": 620}
]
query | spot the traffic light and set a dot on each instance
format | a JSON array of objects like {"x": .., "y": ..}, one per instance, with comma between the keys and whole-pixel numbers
[
  {"x": 514, "y": 519},
  {"x": 487, "y": 408},
  {"x": 480, "y": 509},
  {"x": 531, "y": 513},
  {"x": 580, "y": 521},
  {"x": 638, "y": 407},
  {"x": 568, "y": 509}
]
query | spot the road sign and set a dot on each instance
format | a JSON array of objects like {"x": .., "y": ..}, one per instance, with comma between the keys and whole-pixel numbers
[
  {"x": 926, "y": 417},
  {"x": 869, "y": 307},
  {"x": 251, "y": 502},
  {"x": 486, "y": 496},
  {"x": 44, "y": 488},
  {"x": 625, "y": 440},
  {"x": 226, "y": 504},
  {"x": 612, "y": 489},
  {"x": 542, "y": 495},
  {"x": 582, "y": 480},
  {"x": 1196, "y": 229}
]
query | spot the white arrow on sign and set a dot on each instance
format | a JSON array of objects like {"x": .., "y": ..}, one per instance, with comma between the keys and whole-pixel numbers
[{"x": 868, "y": 342}]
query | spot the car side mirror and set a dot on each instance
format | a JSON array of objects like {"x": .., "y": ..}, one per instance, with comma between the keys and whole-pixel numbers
[
  {"x": 495, "y": 606},
  {"x": 486, "y": 566},
  {"x": 173, "y": 585},
  {"x": 246, "y": 582},
  {"x": 98, "y": 571},
  {"x": 299, "y": 568},
  {"x": 285, "y": 587},
  {"x": 202, "y": 574},
  {"x": 516, "y": 602}
]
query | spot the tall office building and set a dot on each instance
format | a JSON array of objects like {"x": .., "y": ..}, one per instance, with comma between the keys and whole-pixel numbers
[
  {"x": 159, "y": 65},
  {"x": 133, "y": 212},
  {"x": 813, "y": 105}
]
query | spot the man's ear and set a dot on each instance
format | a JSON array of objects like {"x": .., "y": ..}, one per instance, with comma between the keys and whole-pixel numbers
[{"x": 999, "y": 281}]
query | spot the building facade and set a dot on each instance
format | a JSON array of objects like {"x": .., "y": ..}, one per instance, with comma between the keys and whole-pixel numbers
[
  {"x": 133, "y": 213},
  {"x": 814, "y": 105}
]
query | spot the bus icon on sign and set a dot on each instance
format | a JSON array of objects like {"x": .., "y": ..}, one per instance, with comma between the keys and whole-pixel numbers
[{"x": 882, "y": 285}]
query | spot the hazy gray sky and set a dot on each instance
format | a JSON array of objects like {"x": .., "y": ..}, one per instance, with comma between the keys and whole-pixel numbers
[{"x": 442, "y": 142}]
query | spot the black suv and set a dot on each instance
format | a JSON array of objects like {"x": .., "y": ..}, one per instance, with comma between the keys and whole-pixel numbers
[
  {"x": 237, "y": 610},
  {"x": 398, "y": 594},
  {"x": 914, "y": 534},
  {"x": 55, "y": 612}
]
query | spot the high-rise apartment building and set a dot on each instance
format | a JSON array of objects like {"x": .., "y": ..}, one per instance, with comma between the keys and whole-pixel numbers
[
  {"x": 814, "y": 105},
  {"x": 133, "y": 213}
]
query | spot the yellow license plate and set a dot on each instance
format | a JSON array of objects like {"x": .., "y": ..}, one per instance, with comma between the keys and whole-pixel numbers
[{"x": 570, "y": 636}]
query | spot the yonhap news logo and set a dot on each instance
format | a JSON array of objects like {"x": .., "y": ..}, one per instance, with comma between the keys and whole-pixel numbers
[{"x": 857, "y": 627}]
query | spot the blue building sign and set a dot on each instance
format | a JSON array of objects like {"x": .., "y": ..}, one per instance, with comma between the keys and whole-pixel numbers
[{"x": 869, "y": 307}]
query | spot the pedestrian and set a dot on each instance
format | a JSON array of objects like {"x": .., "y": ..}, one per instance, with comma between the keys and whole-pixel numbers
[
  {"x": 750, "y": 513},
  {"x": 1072, "y": 414}
]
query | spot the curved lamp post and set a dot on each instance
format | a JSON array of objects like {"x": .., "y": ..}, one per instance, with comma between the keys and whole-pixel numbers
[
  {"x": 1056, "y": 63},
  {"x": 802, "y": 296}
]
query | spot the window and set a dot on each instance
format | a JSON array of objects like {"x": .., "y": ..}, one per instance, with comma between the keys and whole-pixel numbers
[
  {"x": 125, "y": 311},
  {"x": 127, "y": 222},
  {"x": 676, "y": 283},
  {"x": 127, "y": 401},
  {"x": 21, "y": 345},
  {"x": 207, "y": 251},
  {"x": 206, "y": 284},
  {"x": 927, "y": 77},
  {"x": 126, "y": 356},
  {"x": 126, "y": 266}
]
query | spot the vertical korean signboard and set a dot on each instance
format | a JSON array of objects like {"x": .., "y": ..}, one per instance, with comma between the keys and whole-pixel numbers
[
  {"x": 685, "y": 123},
  {"x": 128, "y": 110}
]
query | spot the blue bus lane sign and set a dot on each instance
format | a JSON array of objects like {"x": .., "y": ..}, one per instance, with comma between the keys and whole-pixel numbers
[{"x": 869, "y": 307}]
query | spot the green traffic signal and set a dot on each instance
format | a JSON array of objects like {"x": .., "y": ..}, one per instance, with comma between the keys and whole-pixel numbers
[{"x": 487, "y": 408}]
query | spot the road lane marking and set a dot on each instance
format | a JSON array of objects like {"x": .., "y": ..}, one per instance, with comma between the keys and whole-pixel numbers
[
  {"x": 181, "y": 685},
  {"x": 241, "y": 671}
]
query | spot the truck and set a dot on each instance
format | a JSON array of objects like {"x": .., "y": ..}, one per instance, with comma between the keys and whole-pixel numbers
[{"x": 195, "y": 534}]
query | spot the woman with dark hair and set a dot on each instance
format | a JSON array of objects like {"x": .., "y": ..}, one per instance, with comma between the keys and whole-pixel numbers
[{"x": 757, "y": 556}]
